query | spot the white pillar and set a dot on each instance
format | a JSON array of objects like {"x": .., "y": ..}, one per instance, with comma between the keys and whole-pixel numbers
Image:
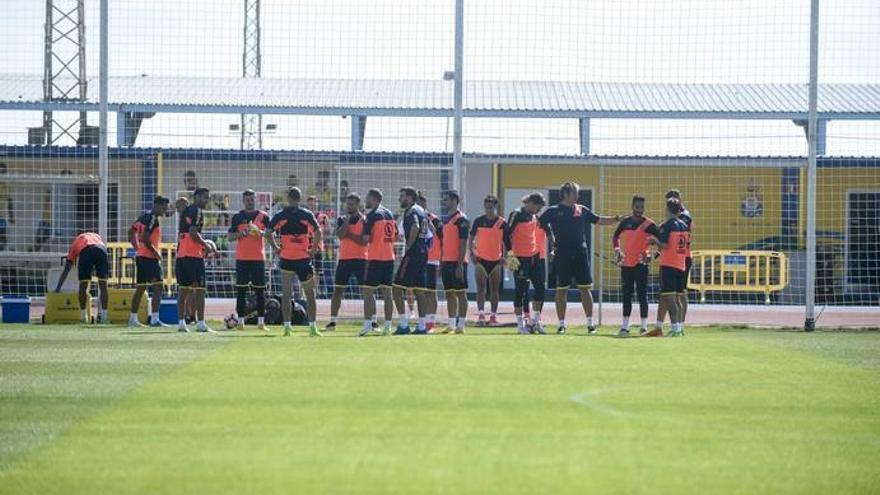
[
  {"x": 103, "y": 155},
  {"x": 810, "y": 306},
  {"x": 458, "y": 91}
]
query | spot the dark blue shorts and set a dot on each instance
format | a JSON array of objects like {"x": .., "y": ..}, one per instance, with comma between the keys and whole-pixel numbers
[
  {"x": 93, "y": 259},
  {"x": 411, "y": 272},
  {"x": 346, "y": 270},
  {"x": 573, "y": 269},
  {"x": 149, "y": 270},
  {"x": 250, "y": 273},
  {"x": 672, "y": 280},
  {"x": 450, "y": 280},
  {"x": 378, "y": 273},
  {"x": 431, "y": 276},
  {"x": 190, "y": 272},
  {"x": 303, "y": 268}
]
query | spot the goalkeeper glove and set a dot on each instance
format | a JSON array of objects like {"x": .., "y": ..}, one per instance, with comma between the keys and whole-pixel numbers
[{"x": 512, "y": 261}]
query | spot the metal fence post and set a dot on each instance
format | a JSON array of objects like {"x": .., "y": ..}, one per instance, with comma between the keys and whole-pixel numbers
[
  {"x": 810, "y": 309},
  {"x": 103, "y": 155}
]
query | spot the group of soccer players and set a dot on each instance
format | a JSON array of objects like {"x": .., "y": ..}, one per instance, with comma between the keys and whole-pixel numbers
[{"x": 434, "y": 245}]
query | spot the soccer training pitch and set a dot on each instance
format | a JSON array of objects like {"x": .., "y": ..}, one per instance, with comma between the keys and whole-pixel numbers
[{"x": 112, "y": 410}]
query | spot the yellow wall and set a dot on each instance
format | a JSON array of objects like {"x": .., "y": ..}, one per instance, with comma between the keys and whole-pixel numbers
[{"x": 832, "y": 185}]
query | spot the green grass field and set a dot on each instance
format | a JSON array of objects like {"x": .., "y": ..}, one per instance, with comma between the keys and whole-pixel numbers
[{"x": 722, "y": 410}]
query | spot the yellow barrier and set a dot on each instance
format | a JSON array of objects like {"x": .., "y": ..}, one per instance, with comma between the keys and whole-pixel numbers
[
  {"x": 738, "y": 271},
  {"x": 122, "y": 266}
]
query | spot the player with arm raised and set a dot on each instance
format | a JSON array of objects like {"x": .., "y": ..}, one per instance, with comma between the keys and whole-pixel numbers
[
  {"x": 191, "y": 251},
  {"x": 411, "y": 272},
  {"x": 453, "y": 264},
  {"x": 631, "y": 248},
  {"x": 568, "y": 228},
  {"x": 300, "y": 235},
  {"x": 247, "y": 228},
  {"x": 672, "y": 241},
  {"x": 352, "y": 255},
  {"x": 145, "y": 234},
  {"x": 433, "y": 266},
  {"x": 523, "y": 258},
  {"x": 380, "y": 232},
  {"x": 89, "y": 253},
  {"x": 486, "y": 247}
]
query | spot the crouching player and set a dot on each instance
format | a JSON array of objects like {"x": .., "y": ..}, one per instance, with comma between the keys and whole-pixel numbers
[
  {"x": 352, "y": 255},
  {"x": 89, "y": 252},
  {"x": 524, "y": 259},
  {"x": 247, "y": 228},
  {"x": 672, "y": 241},
  {"x": 631, "y": 243},
  {"x": 145, "y": 234},
  {"x": 300, "y": 235}
]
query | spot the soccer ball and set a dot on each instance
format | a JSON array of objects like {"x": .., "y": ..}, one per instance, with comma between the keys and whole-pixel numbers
[
  {"x": 213, "y": 247},
  {"x": 230, "y": 321}
]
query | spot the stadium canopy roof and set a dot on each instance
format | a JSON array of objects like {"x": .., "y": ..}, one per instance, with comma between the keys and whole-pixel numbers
[{"x": 426, "y": 98}]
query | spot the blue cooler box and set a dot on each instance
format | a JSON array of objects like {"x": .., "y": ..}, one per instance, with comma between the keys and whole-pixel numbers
[
  {"x": 168, "y": 311},
  {"x": 16, "y": 309}
]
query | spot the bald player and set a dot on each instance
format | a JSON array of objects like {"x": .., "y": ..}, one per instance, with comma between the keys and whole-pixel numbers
[
  {"x": 631, "y": 249},
  {"x": 246, "y": 229},
  {"x": 568, "y": 228},
  {"x": 380, "y": 232}
]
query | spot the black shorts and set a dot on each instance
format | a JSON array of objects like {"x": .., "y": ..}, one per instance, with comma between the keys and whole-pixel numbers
[
  {"x": 318, "y": 261},
  {"x": 530, "y": 268},
  {"x": 93, "y": 259},
  {"x": 190, "y": 272},
  {"x": 573, "y": 267},
  {"x": 450, "y": 281},
  {"x": 411, "y": 272},
  {"x": 672, "y": 280},
  {"x": 431, "y": 276},
  {"x": 487, "y": 265},
  {"x": 149, "y": 270},
  {"x": 303, "y": 269},
  {"x": 346, "y": 269},
  {"x": 250, "y": 272},
  {"x": 378, "y": 273},
  {"x": 551, "y": 274}
]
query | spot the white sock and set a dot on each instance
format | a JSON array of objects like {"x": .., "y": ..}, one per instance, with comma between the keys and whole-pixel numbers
[
  {"x": 181, "y": 322},
  {"x": 387, "y": 325},
  {"x": 421, "y": 324},
  {"x": 659, "y": 324},
  {"x": 83, "y": 314},
  {"x": 154, "y": 317},
  {"x": 368, "y": 324},
  {"x": 561, "y": 323},
  {"x": 332, "y": 319},
  {"x": 590, "y": 321},
  {"x": 453, "y": 321},
  {"x": 201, "y": 324},
  {"x": 644, "y": 323},
  {"x": 286, "y": 325},
  {"x": 625, "y": 322},
  {"x": 404, "y": 320},
  {"x": 261, "y": 320},
  {"x": 461, "y": 321},
  {"x": 519, "y": 321},
  {"x": 133, "y": 317},
  {"x": 375, "y": 318},
  {"x": 431, "y": 318}
]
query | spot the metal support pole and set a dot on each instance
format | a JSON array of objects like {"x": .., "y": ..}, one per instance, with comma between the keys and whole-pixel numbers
[
  {"x": 103, "y": 155},
  {"x": 810, "y": 309},
  {"x": 601, "y": 243},
  {"x": 458, "y": 91}
]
